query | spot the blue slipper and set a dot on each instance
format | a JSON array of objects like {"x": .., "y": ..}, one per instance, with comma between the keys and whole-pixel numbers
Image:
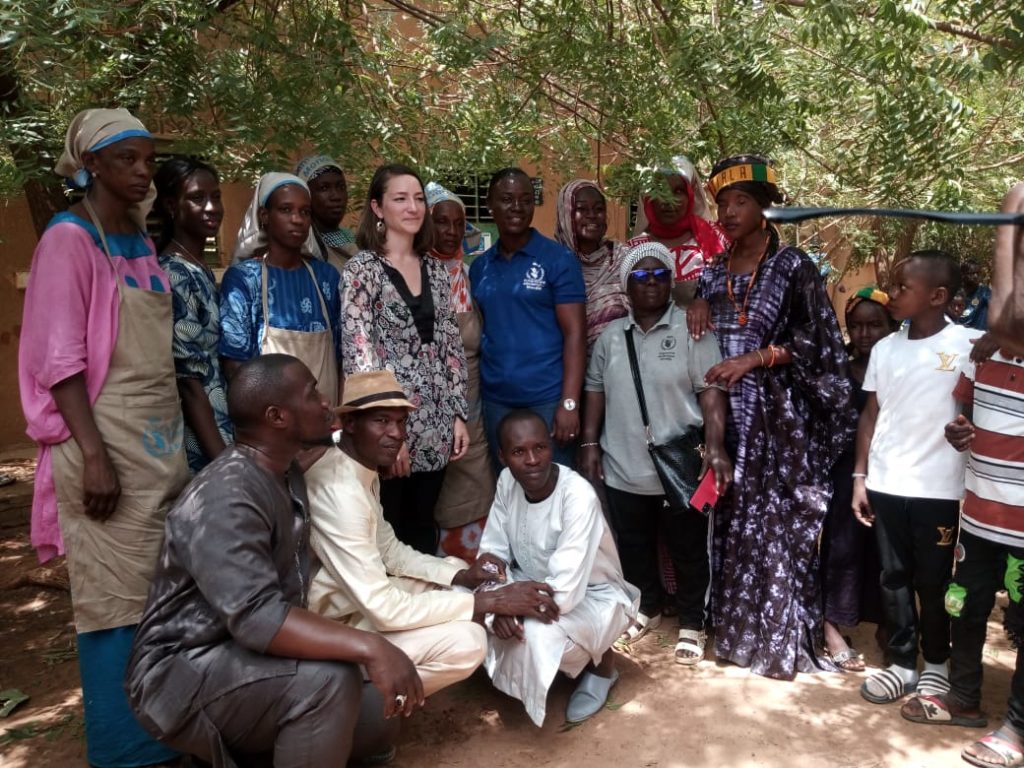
[{"x": 590, "y": 696}]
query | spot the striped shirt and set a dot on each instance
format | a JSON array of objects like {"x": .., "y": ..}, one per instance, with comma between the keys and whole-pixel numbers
[{"x": 994, "y": 503}]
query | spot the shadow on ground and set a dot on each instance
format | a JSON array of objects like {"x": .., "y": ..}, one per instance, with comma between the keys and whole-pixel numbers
[{"x": 661, "y": 715}]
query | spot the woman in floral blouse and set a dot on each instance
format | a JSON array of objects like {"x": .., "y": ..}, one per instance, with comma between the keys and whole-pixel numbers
[{"x": 397, "y": 314}]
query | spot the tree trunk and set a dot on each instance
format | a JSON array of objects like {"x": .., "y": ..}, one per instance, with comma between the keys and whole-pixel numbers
[
  {"x": 885, "y": 256},
  {"x": 44, "y": 201}
]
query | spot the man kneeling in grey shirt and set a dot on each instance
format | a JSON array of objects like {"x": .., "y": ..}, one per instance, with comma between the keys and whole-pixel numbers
[{"x": 227, "y": 663}]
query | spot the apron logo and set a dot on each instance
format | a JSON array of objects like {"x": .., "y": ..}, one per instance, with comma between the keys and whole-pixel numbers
[
  {"x": 945, "y": 535},
  {"x": 947, "y": 361},
  {"x": 163, "y": 437}
]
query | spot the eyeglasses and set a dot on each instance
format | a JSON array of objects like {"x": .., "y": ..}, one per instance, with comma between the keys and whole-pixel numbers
[{"x": 661, "y": 274}]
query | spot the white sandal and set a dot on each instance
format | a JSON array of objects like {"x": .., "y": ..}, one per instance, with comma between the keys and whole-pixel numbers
[
  {"x": 640, "y": 627},
  {"x": 691, "y": 641}
]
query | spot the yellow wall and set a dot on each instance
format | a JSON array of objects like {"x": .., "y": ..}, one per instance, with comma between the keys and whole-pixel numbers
[{"x": 17, "y": 241}]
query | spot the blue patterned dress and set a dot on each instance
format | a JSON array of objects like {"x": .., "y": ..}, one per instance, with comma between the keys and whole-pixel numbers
[
  {"x": 787, "y": 426},
  {"x": 195, "y": 344},
  {"x": 293, "y": 299}
]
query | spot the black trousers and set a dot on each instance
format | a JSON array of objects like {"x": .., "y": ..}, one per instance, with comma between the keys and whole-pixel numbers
[
  {"x": 409, "y": 506},
  {"x": 635, "y": 520},
  {"x": 319, "y": 716},
  {"x": 983, "y": 567},
  {"x": 915, "y": 544}
]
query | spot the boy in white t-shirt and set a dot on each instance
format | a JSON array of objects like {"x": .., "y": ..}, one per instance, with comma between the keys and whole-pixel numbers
[{"x": 908, "y": 480}]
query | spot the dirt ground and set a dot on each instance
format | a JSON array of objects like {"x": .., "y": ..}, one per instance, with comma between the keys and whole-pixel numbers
[{"x": 661, "y": 715}]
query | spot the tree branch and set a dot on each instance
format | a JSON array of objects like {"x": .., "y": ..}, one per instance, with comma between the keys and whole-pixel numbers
[{"x": 939, "y": 26}]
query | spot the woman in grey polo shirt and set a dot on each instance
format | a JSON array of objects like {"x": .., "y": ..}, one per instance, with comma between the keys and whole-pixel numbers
[{"x": 672, "y": 368}]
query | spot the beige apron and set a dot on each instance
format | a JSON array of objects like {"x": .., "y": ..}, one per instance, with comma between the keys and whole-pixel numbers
[
  {"x": 468, "y": 488},
  {"x": 138, "y": 414},
  {"x": 314, "y": 348}
]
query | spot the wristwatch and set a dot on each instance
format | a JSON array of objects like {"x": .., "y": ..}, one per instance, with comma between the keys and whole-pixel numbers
[{"x": 569, "y": 404}]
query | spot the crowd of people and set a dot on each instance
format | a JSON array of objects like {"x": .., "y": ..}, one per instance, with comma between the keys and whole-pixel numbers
[{"x": 297, "y": 503}]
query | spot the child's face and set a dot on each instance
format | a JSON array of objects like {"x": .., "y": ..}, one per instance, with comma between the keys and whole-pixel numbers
[
  {"x": 912, "y": 293},
  {"x": 867, "y": 324},
  {"x": 957, "y": 305}
]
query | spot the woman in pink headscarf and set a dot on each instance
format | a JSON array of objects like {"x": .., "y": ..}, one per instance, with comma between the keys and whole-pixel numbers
[{"x": 682, "y": 224}]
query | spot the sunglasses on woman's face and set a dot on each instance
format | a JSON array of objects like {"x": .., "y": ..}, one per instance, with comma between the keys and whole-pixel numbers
[{"x": 661, "y": 274}]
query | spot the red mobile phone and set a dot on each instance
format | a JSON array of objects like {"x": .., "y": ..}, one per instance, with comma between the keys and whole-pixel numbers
[{"x": 705, "y": 497}]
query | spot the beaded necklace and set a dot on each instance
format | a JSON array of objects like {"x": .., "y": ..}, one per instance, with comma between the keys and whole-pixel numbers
[{"x": 741, "y": 316}]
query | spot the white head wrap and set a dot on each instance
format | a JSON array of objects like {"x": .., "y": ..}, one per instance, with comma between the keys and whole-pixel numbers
[
  {"x": 250, "y": 237},
  {"x": 90, "y": 131},
  {"x": 640, "y": 252},
  {"x": 311, "y": 167},
  {"x": 435, "y": 194}
]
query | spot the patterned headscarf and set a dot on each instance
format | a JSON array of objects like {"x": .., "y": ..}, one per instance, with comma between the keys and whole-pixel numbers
[
  {"x": 696, "y": 219},
  {"x": 753, "y": 174},
  {"x": 90, "y": 131},
  {"x": 642, "y": 251},
  {"x": 250, "y": 236},
  {"x": 867, "y": 293},
  {"x": 564, "y": 231},
  {"x": 435, "y": 194},
  {"x": 310, "y": 167}
]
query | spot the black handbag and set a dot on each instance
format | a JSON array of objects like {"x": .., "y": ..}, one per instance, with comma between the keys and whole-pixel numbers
[{"x": 678, "y": 462}]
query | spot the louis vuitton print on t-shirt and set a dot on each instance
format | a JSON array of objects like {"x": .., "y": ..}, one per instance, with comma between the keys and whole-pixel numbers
[{"x": 913, "y": 380}]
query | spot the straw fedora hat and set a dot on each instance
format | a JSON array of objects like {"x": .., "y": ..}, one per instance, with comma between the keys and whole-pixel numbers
[{"x": 372, "y": 389}]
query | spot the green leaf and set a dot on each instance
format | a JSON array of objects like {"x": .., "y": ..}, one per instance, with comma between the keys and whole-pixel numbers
[{"x": 10, "y": 699}]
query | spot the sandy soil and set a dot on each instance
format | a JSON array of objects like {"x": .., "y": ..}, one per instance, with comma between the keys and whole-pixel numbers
[{"x": 661, "y": 715}]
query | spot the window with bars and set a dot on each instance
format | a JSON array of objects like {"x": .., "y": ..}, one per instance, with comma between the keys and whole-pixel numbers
[{"x": 474, "y": 196}]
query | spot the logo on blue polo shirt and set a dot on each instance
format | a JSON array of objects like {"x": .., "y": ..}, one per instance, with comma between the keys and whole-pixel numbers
[{"x": 534, "y": 279}]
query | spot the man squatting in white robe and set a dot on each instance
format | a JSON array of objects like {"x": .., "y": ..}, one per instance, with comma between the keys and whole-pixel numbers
[{"x": 546, "y": 524}]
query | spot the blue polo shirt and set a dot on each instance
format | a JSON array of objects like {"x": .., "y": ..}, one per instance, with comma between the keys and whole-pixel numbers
[{"x": 521, "y": 346}]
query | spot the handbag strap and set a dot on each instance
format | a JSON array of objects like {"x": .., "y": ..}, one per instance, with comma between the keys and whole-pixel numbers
[{"x": 634, "y": 366}]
